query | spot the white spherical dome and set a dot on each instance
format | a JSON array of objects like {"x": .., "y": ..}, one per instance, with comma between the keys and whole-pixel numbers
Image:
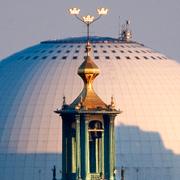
[{"x": 144, "y": 83}]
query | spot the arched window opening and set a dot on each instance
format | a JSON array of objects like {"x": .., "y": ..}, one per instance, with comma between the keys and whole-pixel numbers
[{"x": 95, "y": 146}]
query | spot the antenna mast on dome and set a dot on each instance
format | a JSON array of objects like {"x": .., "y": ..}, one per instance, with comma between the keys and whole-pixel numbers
[
  {"x": 88, "y": 19},
  {"x": 126, "y": 33}
]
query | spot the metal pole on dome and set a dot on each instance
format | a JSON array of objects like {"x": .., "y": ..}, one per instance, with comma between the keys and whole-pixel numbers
[{"x": 88, "y": 20}]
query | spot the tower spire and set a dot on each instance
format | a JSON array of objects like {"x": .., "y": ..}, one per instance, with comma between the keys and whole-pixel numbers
[
  {"x": 88, "y": 99},
  {"x": 88, "y": 70},
  {"x": 88, "y": 125}
]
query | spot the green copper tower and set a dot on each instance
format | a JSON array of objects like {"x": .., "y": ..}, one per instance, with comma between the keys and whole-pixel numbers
[{"x": 88, "y": 140}]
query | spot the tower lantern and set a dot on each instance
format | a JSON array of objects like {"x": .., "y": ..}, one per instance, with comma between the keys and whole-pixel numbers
[{"x": 88, "y": 139}]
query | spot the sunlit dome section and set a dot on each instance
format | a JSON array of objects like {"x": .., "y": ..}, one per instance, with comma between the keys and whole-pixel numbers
[{"x": 144, "y": 83}]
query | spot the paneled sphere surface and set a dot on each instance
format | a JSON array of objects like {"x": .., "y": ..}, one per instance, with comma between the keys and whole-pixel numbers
[{"x": 144, "y": 83}]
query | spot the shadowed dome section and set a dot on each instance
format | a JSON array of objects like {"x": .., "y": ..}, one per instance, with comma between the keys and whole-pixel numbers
[{"x": 92, "y": 39}]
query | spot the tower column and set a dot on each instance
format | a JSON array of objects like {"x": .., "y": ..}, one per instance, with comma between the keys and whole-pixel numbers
[
  {"x": 111, "y": 147},
  {"x": 102, "y": 156},
  {"x": 85, "y": 147},
  {"x": 64, "y": 150},
  {"x": 78, "y": 149}
]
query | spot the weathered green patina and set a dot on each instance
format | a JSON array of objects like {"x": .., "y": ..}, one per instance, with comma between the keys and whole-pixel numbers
[{"x": 88, "y": 131}]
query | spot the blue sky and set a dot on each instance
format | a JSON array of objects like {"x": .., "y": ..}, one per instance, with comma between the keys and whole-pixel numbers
[{"x": 23, "y": 23}]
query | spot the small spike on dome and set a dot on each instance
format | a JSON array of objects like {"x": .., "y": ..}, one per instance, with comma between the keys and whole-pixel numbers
[{"x": 64, "y": 100}]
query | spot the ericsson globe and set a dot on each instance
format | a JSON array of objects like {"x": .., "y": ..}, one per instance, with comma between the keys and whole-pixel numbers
[{"x": 145, "y": 85}]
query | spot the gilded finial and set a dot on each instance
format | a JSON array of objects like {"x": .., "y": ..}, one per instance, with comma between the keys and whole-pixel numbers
[
  {"x": 81, "y": 100},
  {"x": 88, "y": 48},
  {"x": 80, "y": 104},
  {"x": 112, "y": 102}
]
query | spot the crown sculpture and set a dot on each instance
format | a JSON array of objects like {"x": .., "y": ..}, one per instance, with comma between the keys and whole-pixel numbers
[{"x": 74, "y": 11}]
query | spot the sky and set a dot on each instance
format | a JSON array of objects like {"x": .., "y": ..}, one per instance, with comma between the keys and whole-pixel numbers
[{"x": 24, "y": 23}]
